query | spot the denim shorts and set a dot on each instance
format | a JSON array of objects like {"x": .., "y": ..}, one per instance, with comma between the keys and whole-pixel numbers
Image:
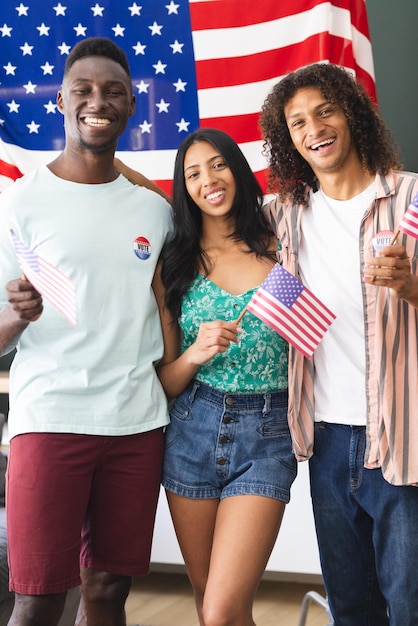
[{"x": 222, "y": 444}]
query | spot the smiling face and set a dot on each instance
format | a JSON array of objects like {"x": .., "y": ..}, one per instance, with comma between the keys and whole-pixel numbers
[
  {"x": 319, "y": 131},
  {"x": 96, "y": 100},
  {"x": 209, "y": 180}
]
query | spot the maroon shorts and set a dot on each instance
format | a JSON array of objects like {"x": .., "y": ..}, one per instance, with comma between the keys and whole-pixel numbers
[{"x": 80, "y": 500}]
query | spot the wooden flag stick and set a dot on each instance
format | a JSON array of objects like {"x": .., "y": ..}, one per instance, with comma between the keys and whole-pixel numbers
[
  {"x": 240, "y": 316},
  {"x": 394, "y": 238}
]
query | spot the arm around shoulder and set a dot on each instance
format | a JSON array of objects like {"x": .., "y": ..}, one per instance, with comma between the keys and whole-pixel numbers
[{"x": 136, "y": 178}]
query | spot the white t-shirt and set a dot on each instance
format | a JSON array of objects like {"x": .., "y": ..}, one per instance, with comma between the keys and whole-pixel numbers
[
  {"x": 329, "y": 260},
  {"x": 96, "y": 378}
]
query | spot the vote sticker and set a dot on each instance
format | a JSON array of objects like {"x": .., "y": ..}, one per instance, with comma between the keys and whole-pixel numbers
[
  {"x": 382, "y": 239},
  {"x": 142, "y": 248}
]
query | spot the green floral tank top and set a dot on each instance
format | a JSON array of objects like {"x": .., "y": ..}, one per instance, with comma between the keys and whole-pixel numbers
[{"x": 256, "y": 364}]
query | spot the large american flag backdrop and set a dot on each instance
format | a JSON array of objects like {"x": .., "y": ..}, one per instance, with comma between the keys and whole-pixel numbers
[{"x": 194, "y": 63}]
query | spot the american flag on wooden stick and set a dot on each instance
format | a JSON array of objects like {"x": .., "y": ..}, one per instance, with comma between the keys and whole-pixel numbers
[{"x": 287, "y": 306}]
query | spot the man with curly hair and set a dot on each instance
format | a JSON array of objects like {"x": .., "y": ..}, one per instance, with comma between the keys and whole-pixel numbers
[{"x": 353, "y": 406}]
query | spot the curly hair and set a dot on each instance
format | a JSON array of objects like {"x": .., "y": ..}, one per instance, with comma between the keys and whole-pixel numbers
[
  {"x": 97, "y": 46},
  {"x": 183, "y": 257},
  {"x": 290, "y": 175}
]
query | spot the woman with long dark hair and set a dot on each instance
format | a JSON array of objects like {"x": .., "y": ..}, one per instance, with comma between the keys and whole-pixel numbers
[{"x": 228, "y": 460}]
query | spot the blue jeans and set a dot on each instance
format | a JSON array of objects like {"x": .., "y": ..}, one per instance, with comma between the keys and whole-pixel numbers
[
  {"x": 367, "y": 533},
  {"x": 222, "y": 444}
]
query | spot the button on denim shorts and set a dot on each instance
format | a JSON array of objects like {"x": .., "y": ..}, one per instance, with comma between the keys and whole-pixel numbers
[{"x": 227, "y": 444}]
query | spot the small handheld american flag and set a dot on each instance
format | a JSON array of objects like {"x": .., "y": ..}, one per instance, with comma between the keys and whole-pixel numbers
[
  {"x": 409, "y": 222},
  {"x": 51, "y": 283},
  {"x": 287, "y": 306}
]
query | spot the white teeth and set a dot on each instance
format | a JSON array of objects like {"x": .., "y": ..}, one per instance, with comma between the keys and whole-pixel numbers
[
  {"x": 213, "y": 196},
  {"x": 315, "y": 146},
  {"x": 93, "y": 121}
]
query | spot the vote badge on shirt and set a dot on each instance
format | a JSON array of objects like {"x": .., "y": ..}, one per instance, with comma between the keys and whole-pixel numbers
[
  {"x": 382, "y": 239},
  {"x": 142, "y": 248}
]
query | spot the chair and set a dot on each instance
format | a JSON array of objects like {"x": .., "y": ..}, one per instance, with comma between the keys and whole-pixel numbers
[{"x": 313, "y": 596}]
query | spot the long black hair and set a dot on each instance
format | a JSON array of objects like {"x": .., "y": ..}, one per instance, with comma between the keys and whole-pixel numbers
[{"x": 183, "y": 256}]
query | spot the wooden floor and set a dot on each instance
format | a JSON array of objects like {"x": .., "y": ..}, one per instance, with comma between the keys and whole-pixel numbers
[{"x": 161, "y": 599}]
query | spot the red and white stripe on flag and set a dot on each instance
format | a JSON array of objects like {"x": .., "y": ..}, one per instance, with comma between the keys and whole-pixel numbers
[{"x": 243, "y": 48}]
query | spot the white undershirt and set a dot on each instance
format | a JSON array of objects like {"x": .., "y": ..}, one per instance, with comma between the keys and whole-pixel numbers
[{"x": 330, "y": 266}]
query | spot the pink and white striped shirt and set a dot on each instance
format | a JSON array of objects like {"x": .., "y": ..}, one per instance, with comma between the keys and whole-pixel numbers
[{"x": 391, "y": 331}]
